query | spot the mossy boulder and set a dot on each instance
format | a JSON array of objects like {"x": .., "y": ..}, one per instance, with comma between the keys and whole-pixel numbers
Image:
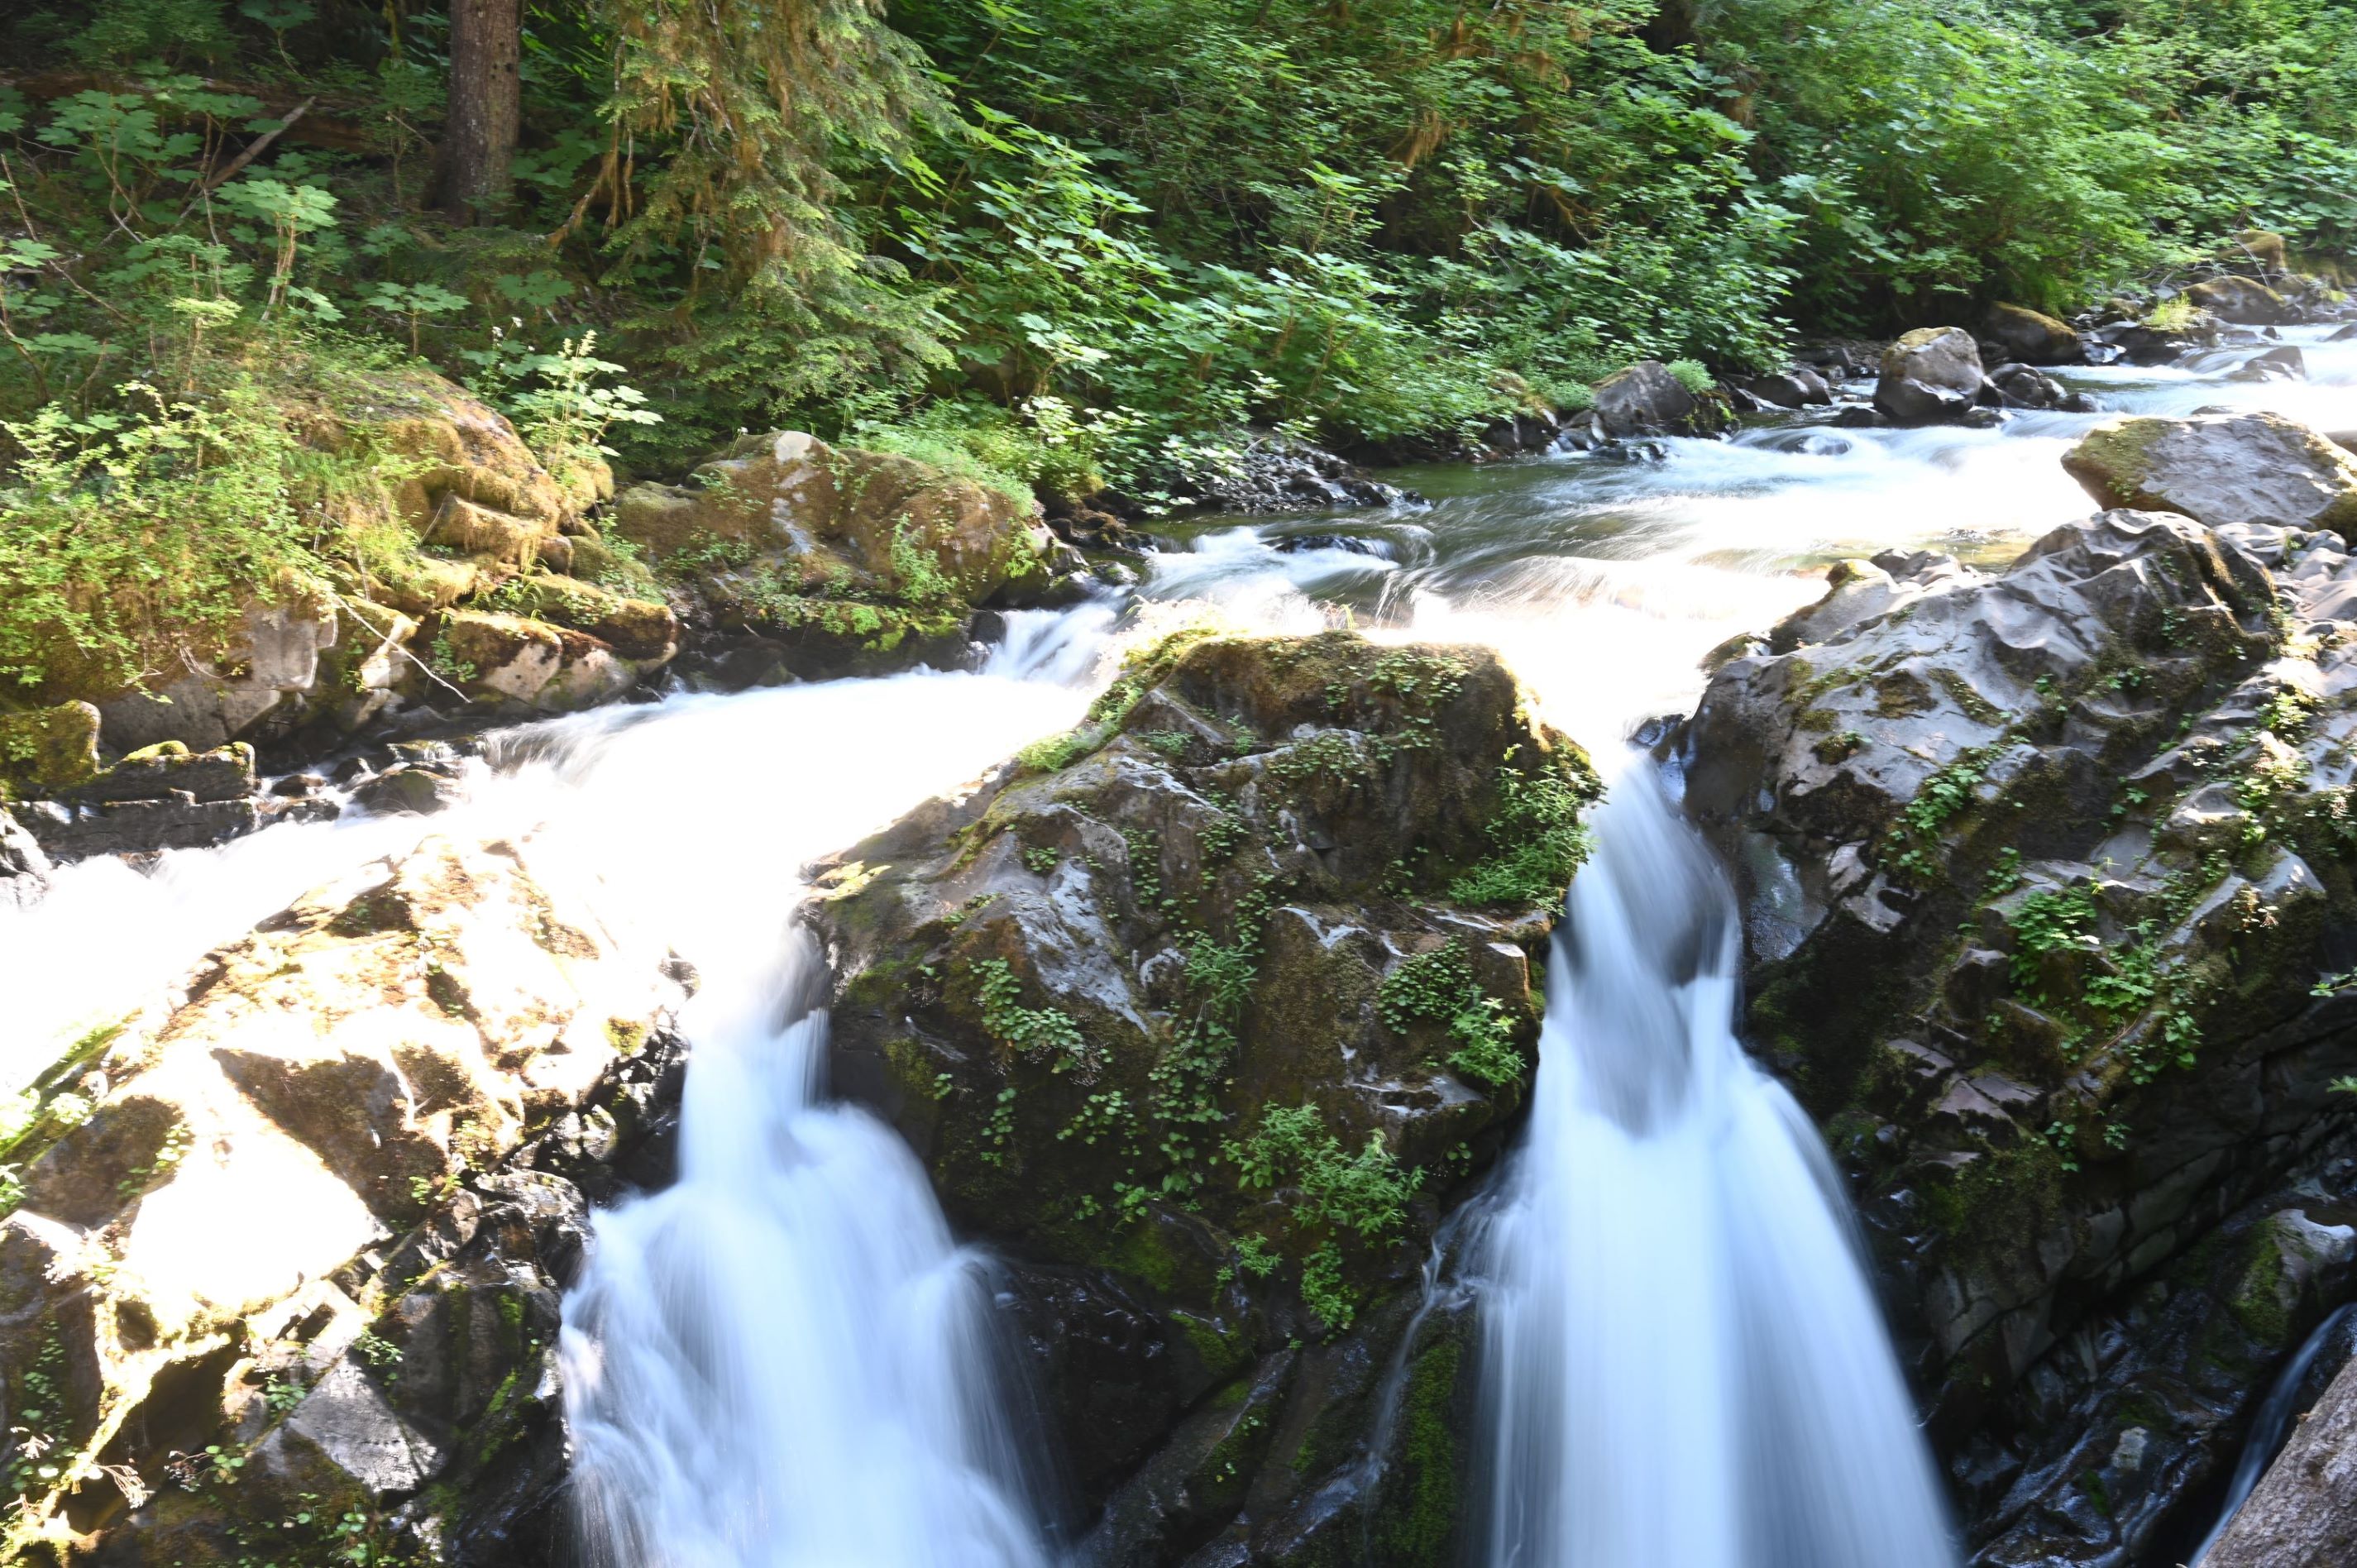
[
  {"x": 2221, "y": 468},
  {"x": 834, "y": 561},
  {"x": 2049, "y": 906},
  {"x": 43, "y": 750},
  {"x": 1221, "y": 999},
  {"x": 1931, "y": 374},
  {"x": 2031, "y": 338},
  {"x": 2246, "y": 302}
]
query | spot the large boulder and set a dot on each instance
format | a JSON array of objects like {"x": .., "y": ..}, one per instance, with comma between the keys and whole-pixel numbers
[
  {"x": 1931, "y": 374},
  {"x": 2047, "y": 900},
  {"x": 2031, "y": 337},
  {"x": 2242, "y": 301},
  {"x": 2221, "y": 468},
  {"x": 836, "y": 561},
  {"x": 321, "y": 1088},
  {"x": 2303, "y": 1513},
  {"x": 1647, "y": 399},
  {"x": 1201, "y": 1013}
]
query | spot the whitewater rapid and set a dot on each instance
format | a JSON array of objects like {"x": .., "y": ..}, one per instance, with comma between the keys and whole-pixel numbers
[
  {"x": 1682, "y": 1361},
  {"x": 786, "y": 1362}
]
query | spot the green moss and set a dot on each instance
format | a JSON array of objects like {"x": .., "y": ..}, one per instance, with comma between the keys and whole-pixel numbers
[
  {"x": 46, "y": 749},
  {"x": 2258, "y": 1303},
  {"x": 1417, "y": 1517},
  {"x": 1538, "y": 841}
]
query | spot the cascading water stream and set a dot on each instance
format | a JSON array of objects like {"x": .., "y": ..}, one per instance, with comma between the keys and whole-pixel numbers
[
  {"x": 1683, "y": 1363},
  {"x": 782, "y": 1362}
]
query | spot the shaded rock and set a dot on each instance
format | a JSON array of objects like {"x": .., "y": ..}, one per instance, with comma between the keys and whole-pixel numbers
[
  {"x": 2284, "y": 364},
  {"x": 179, "y": 820},
  {"x": 2031, "y": 337},
  {"x": 43, "y": 750},
  {"x": 1931, "y": 374},
  {"x": 224, "y": 773},
  {"x": 2022, "y": 387},
  {"x": 24, "y": 865},
  {"x": 2220, "y": 469},
  {"x": 1798, "y": 387},
  {"x": 418, "y": 790},
  {"x": 2242, "y": 301},
  {"x": 2064, "y": 832},
  {"x": 1278, "y": 474},
  {"x": 1647, "y": 400},
  {"x": 2304, "y": 1511}
]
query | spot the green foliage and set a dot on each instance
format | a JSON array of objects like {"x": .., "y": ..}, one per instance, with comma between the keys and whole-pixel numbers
[
  {"x": 1366, "y": 1194},
  {"x": 124, "y": 531},
  {"x": 1438, "y": 987},
  {"x": 2051, "y": 921},
  {"x": 1046, "y": 1032},
  {"x": 1539, "y": 841}
]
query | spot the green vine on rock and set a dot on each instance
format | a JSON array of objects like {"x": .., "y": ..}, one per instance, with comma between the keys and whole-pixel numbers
[{"x": 1438, "y": 987}]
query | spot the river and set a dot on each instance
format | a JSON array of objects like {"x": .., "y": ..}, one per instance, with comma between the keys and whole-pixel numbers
[{"x": 786, "y": 1360}]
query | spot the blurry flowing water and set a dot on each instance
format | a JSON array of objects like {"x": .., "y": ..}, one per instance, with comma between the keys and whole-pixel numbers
[
  {"x": 1682, "y": 1360},
  {"x": 785, "y": 1361}
]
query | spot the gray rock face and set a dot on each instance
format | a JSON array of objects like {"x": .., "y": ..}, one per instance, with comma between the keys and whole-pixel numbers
[
  {"x": 2304, "y": 1513},
  {"x": 172, "y": 798},
  {"x": 1798, "y": 387},
  {"x": 1933, "y": 373},
  {"x": 2242, "y": 301},
  {"x": 2221, "y": 468},
  {"x": 2040, "y": 878},
  {"x": 2031, "y": 337},
  {"x": 24, "y": 865},
  {"x": 1644, "y": 400}
]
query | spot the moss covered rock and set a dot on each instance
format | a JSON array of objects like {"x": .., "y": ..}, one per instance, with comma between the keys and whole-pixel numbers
[
  {"x": 2221, "y": 468},
  {"x": 1220, "y": 999},
  {"x": 2032, "y": 337},
  {"x": 43, "y": 750},
  {"x": 836, "y": 561},
  {"x": 2048, "y": 898}
]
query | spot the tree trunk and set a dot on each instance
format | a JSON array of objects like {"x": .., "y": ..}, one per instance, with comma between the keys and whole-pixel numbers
[{"x": 478, "y": 138}]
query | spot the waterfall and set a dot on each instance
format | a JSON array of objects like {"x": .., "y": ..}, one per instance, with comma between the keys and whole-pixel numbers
[
  {"x": 1683, "y": 1363},
  {"x": 783, "y": 1361},
  {"x": 2270, "y": 1427}
]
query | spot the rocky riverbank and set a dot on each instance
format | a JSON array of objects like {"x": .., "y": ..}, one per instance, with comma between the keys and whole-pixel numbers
[{"x": 2048, "y": 899}]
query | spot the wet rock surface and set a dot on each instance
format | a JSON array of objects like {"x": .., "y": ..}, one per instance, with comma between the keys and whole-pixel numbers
[
  {"x": 2304, "y": 1513},
  {"x": 1929, "y": 375},
  {"x": 1202, "y": 1014},
  {"x": 2047, "y": 903},
  {"x": 2221, "y": 468}
]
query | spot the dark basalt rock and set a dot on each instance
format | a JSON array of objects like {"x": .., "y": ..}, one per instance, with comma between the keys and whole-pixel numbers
[
  {"x": 24, "y": 865},
  {"x": 1276, "y": 474},
  {"x": 1269, "y": 878},
  {"x": 2040, "y": 871},
  {"x": 1932, "y": 374}
]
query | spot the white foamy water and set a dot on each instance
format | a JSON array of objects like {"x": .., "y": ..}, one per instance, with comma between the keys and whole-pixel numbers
[
  {"x": 1683, "y": 1363},
  {"x": 785, "y": 1361}
]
